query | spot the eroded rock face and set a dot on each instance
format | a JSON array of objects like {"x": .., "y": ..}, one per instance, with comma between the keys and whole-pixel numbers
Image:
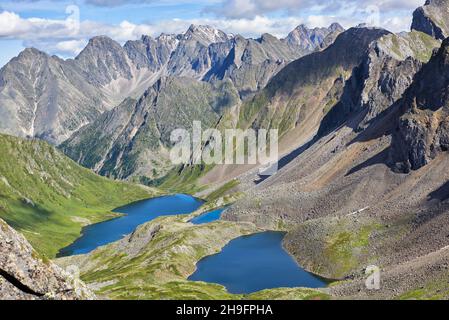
[
  {"x": 423, "y": 130},
  {"x": 432, "y": 19},
  {"x": 132, "y": 139},
  {"x": 23, "y": 275},
  {"x": 389, "y": 69},
  {"x": 386, "y": 71},
  {"x": 307, "y": 40},
  {"x": 46, "y": 97}
]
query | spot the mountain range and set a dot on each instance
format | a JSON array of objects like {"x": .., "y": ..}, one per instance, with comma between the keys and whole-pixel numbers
[
  {"x": 362, "y": 115},
  {"x": 49, "y": 98}
]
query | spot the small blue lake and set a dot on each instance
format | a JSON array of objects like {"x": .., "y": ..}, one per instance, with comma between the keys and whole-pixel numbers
[
  {"x": 253, "y": 263},
  {"x": 208, "y": 217},
  {"x": 247, "y": 264},
  {"x": 137, "y": 213}
]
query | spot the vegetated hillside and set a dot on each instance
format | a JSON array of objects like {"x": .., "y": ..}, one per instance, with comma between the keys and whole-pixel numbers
[{"x": 48, "y": 197}]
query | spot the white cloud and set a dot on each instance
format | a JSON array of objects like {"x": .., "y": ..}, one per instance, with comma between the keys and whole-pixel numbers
[
  {"x": 251, "y": 8},
  {"x": 68, "y": 36},
  {"x": 71, "y": 46},
  {"x": 115, "y": 3},
  {"x": 11, "y": 24}
]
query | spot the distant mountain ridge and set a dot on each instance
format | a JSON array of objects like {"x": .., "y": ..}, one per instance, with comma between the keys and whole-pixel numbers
[
  {"x": 133, "y": 139},
  {"x": 50, "y": 98}
]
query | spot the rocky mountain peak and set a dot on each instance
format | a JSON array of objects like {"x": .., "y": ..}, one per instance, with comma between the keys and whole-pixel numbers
[
  {"x": 27, "y": 56},
  {"x": 336, "y": 27},
  {"x": 205, "y": 34},
  {"x": 166, "y": 37},
  {"x": 97, "y": 46},
  {"x": 146, "y": 38},
  {"x": 101, "y": 42},
  {"x": 268, "y": 37},
  {"x": 32, "y": 52},
  {"x": 104, "y": 60},
  {"x": 296, "y": 33},
  {"x": 432, "y": 19},
  {"x": 304, "y": 38}
]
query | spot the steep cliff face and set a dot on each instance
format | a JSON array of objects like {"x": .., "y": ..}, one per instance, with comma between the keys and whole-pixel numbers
[
  {"x": 386, "y": 71},
  {"x": 250, "y": 63},
  {"x": 422, "y": 132},
  {"x": 133, "y": 139},
  {"x": 432, "y": 19},
  {"x": 191, "y": 57},
  {"x": 25, "y": 276},
  {"x": 150, "y": 53},
  {"x": 103, "y": 60},
  {"x": 43, "y": 96},
  {"x": 311, "y": 86},
  {"x": 50, "y": 98}
]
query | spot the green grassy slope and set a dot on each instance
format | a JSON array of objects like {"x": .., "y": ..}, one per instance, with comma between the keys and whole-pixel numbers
[{"x": 49, "y": 198}]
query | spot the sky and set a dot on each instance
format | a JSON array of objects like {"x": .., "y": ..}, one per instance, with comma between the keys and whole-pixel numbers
[{"x": 63, "y": 27}]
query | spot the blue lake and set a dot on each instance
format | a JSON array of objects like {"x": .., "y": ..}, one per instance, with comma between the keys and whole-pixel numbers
[
  {"x": 136, "y": 214},
  {"x": 247, "y": 264},
  {"x": 208, "y": 217},
  {"x": 253, "y": 263}
]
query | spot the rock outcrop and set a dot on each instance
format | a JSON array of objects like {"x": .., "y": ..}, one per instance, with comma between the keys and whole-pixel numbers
[
  {"x": 381, "y": 79},
  {"x": 423, "y": 131},
  {"x": 25, "y": 276},
  {"x": 432, "y": 19}
]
